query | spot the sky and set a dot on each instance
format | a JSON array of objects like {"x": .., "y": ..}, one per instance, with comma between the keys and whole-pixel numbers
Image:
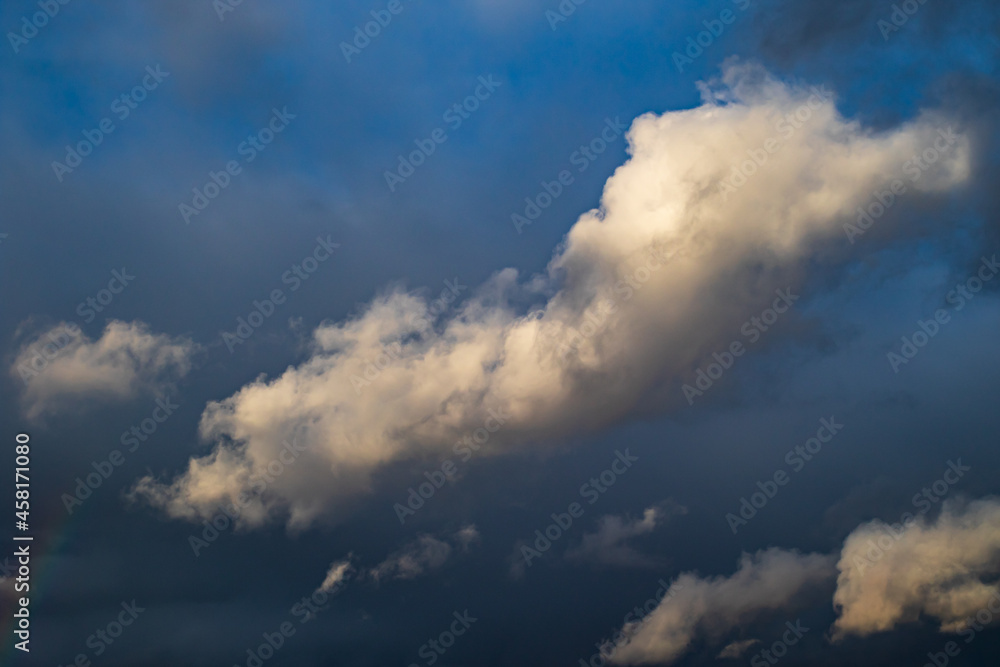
[{"x": 500, "y": 333}]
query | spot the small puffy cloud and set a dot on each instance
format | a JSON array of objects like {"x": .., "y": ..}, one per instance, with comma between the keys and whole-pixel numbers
[
  {"x": 609, "y": 545},
  {"x": 467, "y": 536},
  {"x": 63, "y": 369},
  {"x": 401, "y": 381},
  {"x": 709, "y": 609},
  {"x": 945, "y": 569},
  {"x": 337, "y": 574},
  {"x": 423, "y": 555}
]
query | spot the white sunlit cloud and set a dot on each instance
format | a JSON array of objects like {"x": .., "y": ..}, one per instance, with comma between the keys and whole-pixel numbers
[{"x": 677, "y": 264}]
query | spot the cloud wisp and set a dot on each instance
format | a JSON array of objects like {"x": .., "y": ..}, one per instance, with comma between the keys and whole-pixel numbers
[
  {"x": 423, "y": 555},
  {"x": 337, "y": 574}
]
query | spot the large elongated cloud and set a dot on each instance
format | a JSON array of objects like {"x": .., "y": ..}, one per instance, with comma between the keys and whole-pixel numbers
[
  {"x": 64, "y": 370},
  {"x": 642, "y": 291}
]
